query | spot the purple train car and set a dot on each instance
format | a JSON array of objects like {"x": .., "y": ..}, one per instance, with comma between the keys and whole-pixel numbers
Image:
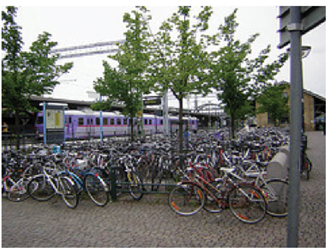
[{"x": 83, "y": 124}]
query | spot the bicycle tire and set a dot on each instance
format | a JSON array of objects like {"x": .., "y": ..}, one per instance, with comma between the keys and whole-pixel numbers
[
  {"x": 186, "y": 199},
  {"x": 135, "y": 186},
  {"x": 68, "y": 191},
  {"x": 308, "y": 165},
  {"x": 210, "y": 204},
  {"x": 158, "y": 175},
  {"x": 247, "y": 203},
  {"x": 18, "y": 192},
  {"x": 40, "y": 189},
  {"x": 277, "y": 197},
  {"x": 96, "y": 189}
]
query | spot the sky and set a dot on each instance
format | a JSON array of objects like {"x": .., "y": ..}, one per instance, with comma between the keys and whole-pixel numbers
[{"x": 73, "y": 25}]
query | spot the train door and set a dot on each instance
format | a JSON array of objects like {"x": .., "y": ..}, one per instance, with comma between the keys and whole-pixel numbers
[
  {"x": 90, "y": 126},
  {"x": 71, "y": 126}
]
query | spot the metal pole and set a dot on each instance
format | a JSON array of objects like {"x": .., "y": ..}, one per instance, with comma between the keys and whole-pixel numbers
[
  {"x": 64, "y": 121},
  {"x": 44, "y": 124},
  {"x": 295, "y": 28},
  {"x": 101, "y": 122},
  {"x": 166, "y": 113}
]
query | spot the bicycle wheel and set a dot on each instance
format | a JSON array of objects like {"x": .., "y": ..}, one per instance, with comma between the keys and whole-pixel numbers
[
  {"x": 158, "y": 175},
  {"x": 68, "y": 191},
  {"x": 18, "y": 192},
  {"x": 211, "y": 205},
  {"x": 40, "y": 189},
  {"x": 308, "y": 167},
  {"x": 247, "y": 204},
  {"x": 277, "y": 197},
  {"x": 186, "y": 199},
  {"x": 96, "y": 189},
  {"x": 135, "y": 186}
]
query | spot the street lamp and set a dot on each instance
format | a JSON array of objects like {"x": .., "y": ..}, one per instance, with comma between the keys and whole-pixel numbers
[{"x": 304, "y": 52}]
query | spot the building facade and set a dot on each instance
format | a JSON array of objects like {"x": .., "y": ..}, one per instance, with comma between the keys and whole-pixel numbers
[{"x": 314, "y": 106}]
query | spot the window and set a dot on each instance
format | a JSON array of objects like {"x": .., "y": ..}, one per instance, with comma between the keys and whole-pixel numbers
[
  {"x": 150, "y": 121},
  {"x": 119, "y": 122},
  {"x": 125, "y": 121},
  {"x": 97, "y": 121},
  {"x": 112, "y": 121},
  {"x": 145, "y": 121},
  {"x": 161, "y": 121},
  {"x": 81, "y": 121},
  {"x": 90, "y": 121},
  {"x": 70, "y": 120},
  {"x": 105, "y": 121},
  {"x": 39, "y": 120}
]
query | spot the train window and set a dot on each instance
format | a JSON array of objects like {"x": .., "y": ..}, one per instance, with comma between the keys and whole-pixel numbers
[
  {"x": 150, "y": 121},
  {"x": 97, "y": 121},
  {"x": 112, "y": 121},
  {"x": 145, "y": 121},
  {"x": 39, "y": 120},
  {"x": 119, "y": 122},
  {"x": 105, "y": 121},
  {"x": 81, "y": 121},
  {"x": 70, "y": 120},
  {"x": 125, "y": 121},
  {"x": 161, "y": 121}
]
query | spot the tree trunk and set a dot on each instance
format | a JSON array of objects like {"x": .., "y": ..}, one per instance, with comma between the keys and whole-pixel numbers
[
  {"x": 232, "y": 124},
  {"x": 17, "y": 129},
  {"x": 181, "y": 133},
  {"x": 131, "y": 124},
  {"x": 180, "y": 126}
]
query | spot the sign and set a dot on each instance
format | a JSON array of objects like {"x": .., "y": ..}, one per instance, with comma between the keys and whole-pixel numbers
[
  {"x": 152, "y": 102},
  {"x": 54, "y": 119},
  {"x": 311, "y": 16}
]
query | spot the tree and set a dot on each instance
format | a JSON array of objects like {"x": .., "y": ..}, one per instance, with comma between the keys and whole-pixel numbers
[
  {"x": 239, "y": 79},
  {"x": 26, "y": 73},
  {"x": 179, "y": 63},
  {"x": 274, "y": 103},
  {"x": 127, "y": 83}
]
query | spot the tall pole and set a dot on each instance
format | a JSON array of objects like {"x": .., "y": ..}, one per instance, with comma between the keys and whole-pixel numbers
[
  {"x": 101, "y": 122},
  {"x": 44, "y": 124},
  {"x": 166, "y": 113},
  {"x": 295, "y": 28}
]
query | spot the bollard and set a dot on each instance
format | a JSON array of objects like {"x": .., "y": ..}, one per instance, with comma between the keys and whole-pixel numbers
[{"x": 113, "y": 183}]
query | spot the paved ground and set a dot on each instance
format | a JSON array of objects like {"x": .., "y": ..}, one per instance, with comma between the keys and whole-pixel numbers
[{"x": 151, "y": 223}]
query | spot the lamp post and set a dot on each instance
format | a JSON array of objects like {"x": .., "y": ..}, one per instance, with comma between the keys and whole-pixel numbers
[
  {"x": 296, "y": 123},
  {"x": 92, "y": 94}
]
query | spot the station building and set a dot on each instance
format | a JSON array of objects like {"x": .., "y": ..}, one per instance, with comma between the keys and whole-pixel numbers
[{"x": 314, "y": 108}]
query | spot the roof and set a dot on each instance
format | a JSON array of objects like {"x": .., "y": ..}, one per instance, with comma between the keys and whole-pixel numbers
[{"x": 305, "y": 91}]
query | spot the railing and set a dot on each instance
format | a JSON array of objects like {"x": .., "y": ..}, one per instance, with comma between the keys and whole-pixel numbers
[{"x": 160, "y": 190}]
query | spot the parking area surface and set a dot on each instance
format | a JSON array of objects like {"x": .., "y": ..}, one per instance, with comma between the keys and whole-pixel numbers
[{"x": 151, "y": 223}]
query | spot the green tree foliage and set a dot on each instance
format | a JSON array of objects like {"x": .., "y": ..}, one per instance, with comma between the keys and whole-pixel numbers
[
  {"x": 239, "y": 79},
  {"x": 179, "y": 58},
  {"x": 127, "y": 83},
  {"x": 274, "y": 103},
  {"x": 26, "y": 73}
]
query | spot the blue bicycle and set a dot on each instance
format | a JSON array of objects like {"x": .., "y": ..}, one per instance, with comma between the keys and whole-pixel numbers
[{"x": 89, "y": 181}]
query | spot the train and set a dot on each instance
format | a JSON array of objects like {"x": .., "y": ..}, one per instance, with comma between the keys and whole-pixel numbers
[{"x": 86, "y": 123}]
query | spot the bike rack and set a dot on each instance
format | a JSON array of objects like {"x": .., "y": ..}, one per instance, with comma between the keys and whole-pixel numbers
[{"x": 113, "y": 190}]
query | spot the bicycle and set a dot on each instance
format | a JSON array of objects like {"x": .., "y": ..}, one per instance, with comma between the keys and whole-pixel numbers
[
  {"x": 46, "y": 185},
  {"x": 87, "y": 180},
  {"x": 15, "y": 184},
  {"x": 246, "y": 202},
  {"x": 275, "y": 189}
]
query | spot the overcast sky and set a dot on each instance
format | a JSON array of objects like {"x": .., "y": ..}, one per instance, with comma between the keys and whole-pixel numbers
[{"x": 80, "y": 25}]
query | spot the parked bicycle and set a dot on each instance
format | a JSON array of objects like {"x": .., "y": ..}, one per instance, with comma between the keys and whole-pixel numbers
[{"x": 43, "y": 187}]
